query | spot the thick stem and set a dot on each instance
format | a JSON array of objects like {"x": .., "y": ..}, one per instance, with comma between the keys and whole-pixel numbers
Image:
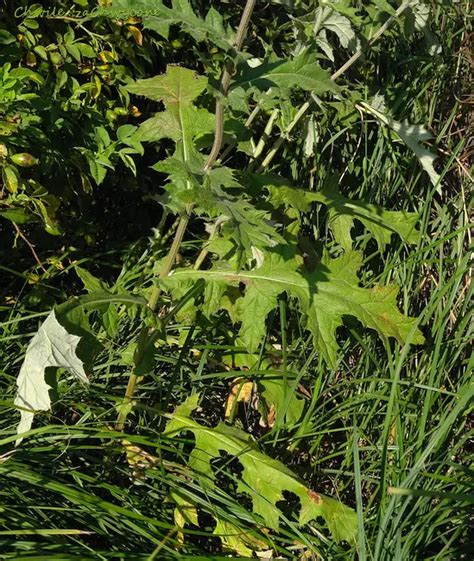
[
  {"x": 146, "y": 335},
  {"x": 225, "y": 83}
]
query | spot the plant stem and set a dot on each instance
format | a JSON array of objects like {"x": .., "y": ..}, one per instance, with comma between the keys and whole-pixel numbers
[
  {"x": 300, "y": 113},
  {"x": 146, "y": 334},
  {"x": 225, "y": 83},
  {"x": 266, "y": 133},
  {"x": 31, "y": 246},
  {"x": 302, "y": 110},
  {"x": 250, "y": 119}
]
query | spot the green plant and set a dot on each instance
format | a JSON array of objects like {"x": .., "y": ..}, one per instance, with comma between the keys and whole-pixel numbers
[{"x": 297, "y": 269}]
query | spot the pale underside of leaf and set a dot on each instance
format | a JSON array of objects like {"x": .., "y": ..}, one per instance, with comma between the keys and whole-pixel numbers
[
  {"x": 326, "y": 18},
  {"x": 412, "y": 136},
  {"x": 52, "y": 346}
]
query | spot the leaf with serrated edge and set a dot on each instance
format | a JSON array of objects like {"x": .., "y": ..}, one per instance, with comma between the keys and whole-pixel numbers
[
  {"x": 302, "y": 72},
  {"x": 381, "y": 223},
  {"x": 263, "y": 478},
  {"x": 181, "y": 13},
  {"x": 325, "y": 295},
  {"x": 52, "y": 346},
  {"x": 180, "y": 121},
  {"x": 190, "y": 183},
  {"x": 178, "y": 86},
  {"x": 328, "y": 18},
  {"x": 167, "y": 124}
]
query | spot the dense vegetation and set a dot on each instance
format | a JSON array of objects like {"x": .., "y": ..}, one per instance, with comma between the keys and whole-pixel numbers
[{"x": 236, "y": 299}]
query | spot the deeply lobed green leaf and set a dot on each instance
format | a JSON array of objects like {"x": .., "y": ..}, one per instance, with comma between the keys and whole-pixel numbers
[
  {"x": 263, "y": 478},
  {"x": 381, "y": 223},
  {"x": 325, "y": 295}
]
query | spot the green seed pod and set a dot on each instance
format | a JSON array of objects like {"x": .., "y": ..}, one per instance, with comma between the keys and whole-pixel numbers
[
  {"x": 3, "y": 151},
  {"x": 111, "y": 116},
  {"x": 31, "y": 59},
  {"x": 52, "y": 229},
  {"x": 120, "y": 111},
  {"x": 24, "y": 160}
]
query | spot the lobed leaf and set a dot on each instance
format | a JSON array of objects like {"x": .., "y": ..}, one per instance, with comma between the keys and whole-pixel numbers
[
  {"x": 263, "y": 478},
  {"x": 302, "y": 72},
  {"x": 190, "y": 121},
  {"x": 381, "y": 223},
  {"x": 325, "y": 296},
  {"x": 52, "y": 346},
  {"x": 190, "y": 183},
  {"x": 179, "y": 86},
  {"x": 328, "y": 18},
  {"x": 181, "y": 13}
]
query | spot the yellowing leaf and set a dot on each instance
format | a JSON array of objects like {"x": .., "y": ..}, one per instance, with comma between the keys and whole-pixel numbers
[
  {"x": 136, "y": 34},
  {"x": 263, "y": 478},
  {"x": 236, "y": 539},
  {"x": 240, "y": 391},
  {"x": 52, "y": 346},
  {"x": 184, "y": 513},
  {"x": 138, "y": 459}
]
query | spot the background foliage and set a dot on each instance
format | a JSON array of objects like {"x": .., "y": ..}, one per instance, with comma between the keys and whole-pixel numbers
[{"x": 370, "y": 189}]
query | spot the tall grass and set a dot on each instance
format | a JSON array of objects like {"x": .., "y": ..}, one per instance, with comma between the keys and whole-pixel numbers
[{"x": 387, "y": 430}]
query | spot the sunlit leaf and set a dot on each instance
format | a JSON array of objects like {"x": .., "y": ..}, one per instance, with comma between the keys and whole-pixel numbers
[
  {"x": 381, "y": 223},
  {"x": 326, "y": 294},
  {"x": 52, "y": 346},
  {"x": 263, "y": 478}
]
